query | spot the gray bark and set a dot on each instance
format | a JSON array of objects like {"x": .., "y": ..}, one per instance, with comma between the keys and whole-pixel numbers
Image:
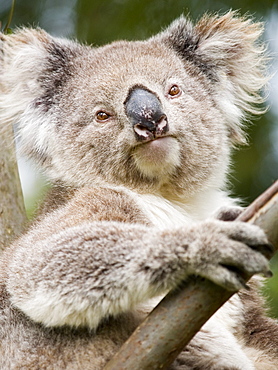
[{"x": 12, "y": 210}]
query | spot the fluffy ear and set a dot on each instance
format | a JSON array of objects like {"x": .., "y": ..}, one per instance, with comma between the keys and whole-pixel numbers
[
  {"x": 33, "y": 68},
  {"x": 227, "y": 50}
]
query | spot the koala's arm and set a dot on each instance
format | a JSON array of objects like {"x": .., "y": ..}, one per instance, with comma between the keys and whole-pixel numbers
[{"x": 76, "y": 273}]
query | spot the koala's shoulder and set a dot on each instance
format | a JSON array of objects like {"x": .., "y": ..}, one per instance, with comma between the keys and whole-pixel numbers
[{"x": 92, "y": 204}]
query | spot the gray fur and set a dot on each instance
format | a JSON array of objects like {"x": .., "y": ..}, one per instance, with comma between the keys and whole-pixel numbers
[{"x": 129, "y": 217}]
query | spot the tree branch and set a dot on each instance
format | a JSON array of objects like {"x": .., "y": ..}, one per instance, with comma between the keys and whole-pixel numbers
[
  {"x": 180, "y": 315},
  {"x": 12, "y": 211}
]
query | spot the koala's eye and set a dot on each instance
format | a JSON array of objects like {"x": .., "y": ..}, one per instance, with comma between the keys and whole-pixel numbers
[
  {"x": 102, "y": 116},
  {"x": 174, "y": 91}
]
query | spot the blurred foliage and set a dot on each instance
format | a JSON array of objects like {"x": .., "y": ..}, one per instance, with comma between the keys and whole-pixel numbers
[{"x": 101, "y": 21}]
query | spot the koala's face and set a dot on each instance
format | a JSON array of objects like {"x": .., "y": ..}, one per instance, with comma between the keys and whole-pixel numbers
[
  {"x": 135, "y": 114},
  {"x": 155, "y": 114}
]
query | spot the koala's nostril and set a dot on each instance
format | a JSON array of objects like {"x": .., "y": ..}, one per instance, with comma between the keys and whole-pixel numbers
[
  {"x": 142, "y": 131},
  {"x": 162, "y": 126}
]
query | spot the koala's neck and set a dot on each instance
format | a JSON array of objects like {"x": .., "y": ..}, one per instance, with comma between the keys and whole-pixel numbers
[
  {"x": 166, "y": 210},
  {"x": 162, "y": 211}
]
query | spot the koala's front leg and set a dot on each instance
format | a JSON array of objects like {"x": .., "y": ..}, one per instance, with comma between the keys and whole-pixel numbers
[{"x": 87, "y": 272}]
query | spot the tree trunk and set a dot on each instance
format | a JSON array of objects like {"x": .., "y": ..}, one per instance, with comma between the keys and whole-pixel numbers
[{"x": 12, "y": 210}]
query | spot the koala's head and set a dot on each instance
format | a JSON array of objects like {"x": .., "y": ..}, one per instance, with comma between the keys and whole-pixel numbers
[{"x": 153, "y": 115}]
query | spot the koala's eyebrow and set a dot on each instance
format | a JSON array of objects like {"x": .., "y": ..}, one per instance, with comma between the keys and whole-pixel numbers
[{"x": 102, "y": 104}]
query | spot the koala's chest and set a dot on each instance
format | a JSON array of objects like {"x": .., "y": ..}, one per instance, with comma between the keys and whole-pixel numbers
[{"x": 162, "y": 213}]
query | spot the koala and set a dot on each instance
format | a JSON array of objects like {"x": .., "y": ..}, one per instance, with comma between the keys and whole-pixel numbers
[{"x": 135, "y": 138}]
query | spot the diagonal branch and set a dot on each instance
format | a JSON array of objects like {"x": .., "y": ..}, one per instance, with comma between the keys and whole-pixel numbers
[{"x": 180, "y": 315}]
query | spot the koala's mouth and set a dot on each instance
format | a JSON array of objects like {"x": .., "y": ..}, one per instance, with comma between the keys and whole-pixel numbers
[
  {"x": 156, "y": 150},
  {"x": 161, "y": 142},
  {"x": 154, "y": 142}
]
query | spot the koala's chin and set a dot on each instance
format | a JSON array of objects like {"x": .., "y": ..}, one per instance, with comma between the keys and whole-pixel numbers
[{"x": 158, "y": 157}]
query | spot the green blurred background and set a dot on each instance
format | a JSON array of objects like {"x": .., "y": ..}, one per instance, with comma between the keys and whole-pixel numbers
[{"x": 101, "y": 21}]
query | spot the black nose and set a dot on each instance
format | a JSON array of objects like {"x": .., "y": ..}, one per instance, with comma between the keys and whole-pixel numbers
[{"x": 145, "y": 112}]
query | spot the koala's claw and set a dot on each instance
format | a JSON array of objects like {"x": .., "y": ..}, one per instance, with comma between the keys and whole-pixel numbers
[
  {"x": 228, "y": 213},
  {"x": 267, "y": 250},
  {"x": 268, "y": 274}
]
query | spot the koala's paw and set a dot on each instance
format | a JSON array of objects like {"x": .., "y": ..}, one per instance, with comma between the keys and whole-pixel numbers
[{"x": 228, "y": 252}]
